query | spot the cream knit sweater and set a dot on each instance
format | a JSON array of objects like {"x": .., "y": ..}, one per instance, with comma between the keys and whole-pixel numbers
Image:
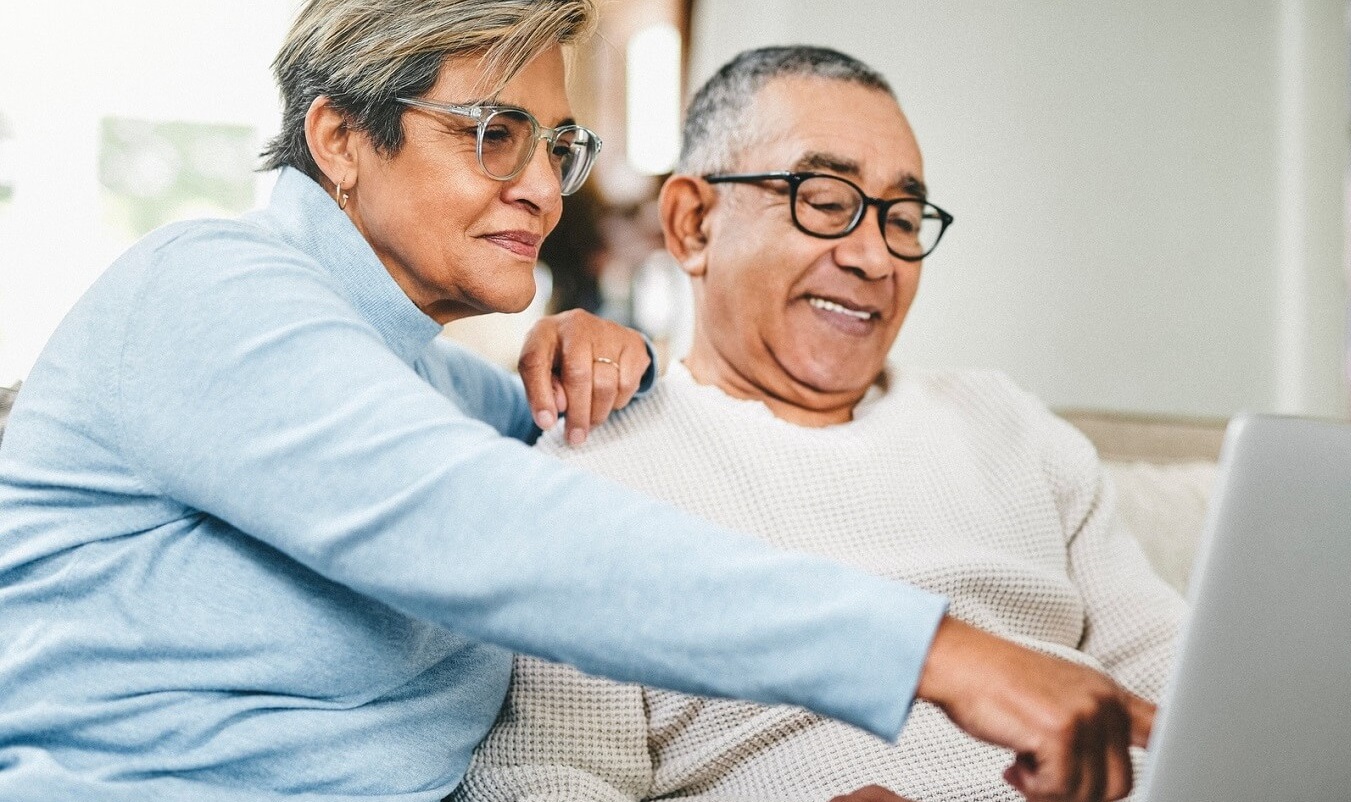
[{"x": 957, "y": 482}]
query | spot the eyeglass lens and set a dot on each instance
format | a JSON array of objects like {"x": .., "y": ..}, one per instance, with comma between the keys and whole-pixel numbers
[
  {"x": 508, "y": 141},
  {"x": 829, "y": 207}
]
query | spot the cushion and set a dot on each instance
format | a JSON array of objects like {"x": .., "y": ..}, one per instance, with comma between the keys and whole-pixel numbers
[{"x": 1164, "y": 507}]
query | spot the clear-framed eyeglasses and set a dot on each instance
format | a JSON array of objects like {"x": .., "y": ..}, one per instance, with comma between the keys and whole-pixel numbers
[
  {"x": 831, "y": 207},
  {"x": 507, "y": 136}
]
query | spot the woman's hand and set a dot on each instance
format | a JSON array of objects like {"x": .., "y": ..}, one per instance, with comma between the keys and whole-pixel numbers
[
  {"x": 1070, "y": 727},
  {"x": 581, "y": 366}
]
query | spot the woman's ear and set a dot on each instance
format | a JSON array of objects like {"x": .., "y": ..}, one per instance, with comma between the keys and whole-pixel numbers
[
  {"x": 685, "y": 204},
  {"x": 332, "y": 144}
]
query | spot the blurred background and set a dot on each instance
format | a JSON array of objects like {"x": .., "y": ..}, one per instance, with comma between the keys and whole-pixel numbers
[{"x": 1150, "y": 196}]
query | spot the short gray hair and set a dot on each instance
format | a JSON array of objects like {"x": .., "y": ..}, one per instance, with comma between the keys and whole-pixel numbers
[
  {"x": 362, "y": 54},
  {"x": 715, "y": 134}
]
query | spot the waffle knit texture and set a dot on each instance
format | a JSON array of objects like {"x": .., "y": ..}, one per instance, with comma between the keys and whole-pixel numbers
[
  {"x": 264, "y": 535},
  {"x": 957, "y": 482}
]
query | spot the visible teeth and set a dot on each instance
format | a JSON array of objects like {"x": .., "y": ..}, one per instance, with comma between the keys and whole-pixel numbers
[{"x": 831, "y": 306}]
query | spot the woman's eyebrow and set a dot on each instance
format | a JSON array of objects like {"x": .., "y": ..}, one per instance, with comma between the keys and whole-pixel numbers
[{"x": 498, "y": 101}]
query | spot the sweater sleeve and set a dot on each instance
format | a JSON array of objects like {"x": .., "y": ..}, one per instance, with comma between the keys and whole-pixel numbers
[
  {"x": 250, "y": 390},
  {"x": 486, "y": 391},
  {"x": 481, "y": 389},
  {"x": 564, "y": 736},
  {"x": 1132, "y": 617}
]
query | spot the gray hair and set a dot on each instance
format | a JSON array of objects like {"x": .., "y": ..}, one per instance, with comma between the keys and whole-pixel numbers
[
  {"x": 362, "y": 54},
  {"x": 715, "y": 133}
]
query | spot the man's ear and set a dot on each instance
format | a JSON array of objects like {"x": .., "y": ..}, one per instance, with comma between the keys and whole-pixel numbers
[
  {"x": 332, "y": 143},
  {"x": 685, "y": 204}
]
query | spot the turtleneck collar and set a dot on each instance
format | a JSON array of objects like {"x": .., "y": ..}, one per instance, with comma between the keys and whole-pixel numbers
[{"x": 305, "y": 216}]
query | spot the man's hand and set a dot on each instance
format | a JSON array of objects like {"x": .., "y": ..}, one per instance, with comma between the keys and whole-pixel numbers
[
  {"x": 577, "y": 364},
  {"x": 1071, "y": 727},
  {"x": 870, "y": 793}
]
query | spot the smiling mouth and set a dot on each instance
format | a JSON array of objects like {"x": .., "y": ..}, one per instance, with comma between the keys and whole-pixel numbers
[
  {"x": 521, "y": 243},
  {"x": 833, "y": 306}
]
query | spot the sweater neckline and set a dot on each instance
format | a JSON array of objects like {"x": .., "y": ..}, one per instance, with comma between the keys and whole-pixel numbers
[
  {"x": 678, "y": 372},
  {"x": 307, "y": 218}
]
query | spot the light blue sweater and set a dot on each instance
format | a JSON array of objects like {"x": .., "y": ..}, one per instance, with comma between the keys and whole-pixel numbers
[{"x": 263, "y": 534}]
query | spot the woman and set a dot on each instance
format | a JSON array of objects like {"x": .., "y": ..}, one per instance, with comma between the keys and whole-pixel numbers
[{"x": 259, "y": 527}]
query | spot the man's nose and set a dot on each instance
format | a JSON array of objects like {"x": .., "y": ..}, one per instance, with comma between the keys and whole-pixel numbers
[{"x": 864, "y": 250}]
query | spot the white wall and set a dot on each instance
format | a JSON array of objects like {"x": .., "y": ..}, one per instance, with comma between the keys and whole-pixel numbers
[
  {"x": 1148, "y": 194},
  {"x": 66, "y": 64}
]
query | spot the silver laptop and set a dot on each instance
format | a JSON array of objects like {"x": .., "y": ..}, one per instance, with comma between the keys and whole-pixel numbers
[{"x": 1259, "y": 704}]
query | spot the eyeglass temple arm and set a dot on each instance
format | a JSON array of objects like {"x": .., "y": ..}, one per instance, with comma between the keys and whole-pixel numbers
[
  {"x": 472, "y": 112},
  {"x": 714, "y": 178}
]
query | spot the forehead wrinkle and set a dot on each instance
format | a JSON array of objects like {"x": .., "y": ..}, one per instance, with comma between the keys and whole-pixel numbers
[{"x": 905, "y": 182}]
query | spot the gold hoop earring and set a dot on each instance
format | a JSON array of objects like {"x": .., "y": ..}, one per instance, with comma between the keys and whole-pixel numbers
[{"x": 340, "y": 196}]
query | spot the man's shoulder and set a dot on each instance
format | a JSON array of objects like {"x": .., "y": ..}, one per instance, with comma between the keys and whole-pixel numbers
[
  {"x": 989, "y": 404},
  {"x": 998, "y": 410},
  {"x": 978, "y": 387},
  {"x": 651, "y": 418}
]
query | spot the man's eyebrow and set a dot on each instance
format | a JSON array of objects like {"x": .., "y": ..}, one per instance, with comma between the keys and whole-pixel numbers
[
  {"x": 913, "y": 186},
  {"x": 820, "y": 160}
]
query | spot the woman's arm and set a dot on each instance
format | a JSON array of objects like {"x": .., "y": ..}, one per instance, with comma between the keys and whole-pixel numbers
[
  {"x": 559, "y": 346},
  {"x": 253, "y": 392}
]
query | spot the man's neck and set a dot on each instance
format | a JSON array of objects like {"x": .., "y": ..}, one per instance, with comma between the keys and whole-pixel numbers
[{"x": 805, "y": 407}]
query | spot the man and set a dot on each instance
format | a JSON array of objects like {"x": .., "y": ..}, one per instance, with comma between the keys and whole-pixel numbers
[{"x": 800, "y": 213}]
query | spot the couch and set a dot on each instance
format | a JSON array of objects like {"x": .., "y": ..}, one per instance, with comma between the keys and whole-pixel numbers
[{"x": 7, "y": 395}]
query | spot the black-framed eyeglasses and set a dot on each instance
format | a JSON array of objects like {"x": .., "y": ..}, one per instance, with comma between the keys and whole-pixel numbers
[
  {"x": 506, "y": 139},
  {"x": 831, "y": 207}
]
